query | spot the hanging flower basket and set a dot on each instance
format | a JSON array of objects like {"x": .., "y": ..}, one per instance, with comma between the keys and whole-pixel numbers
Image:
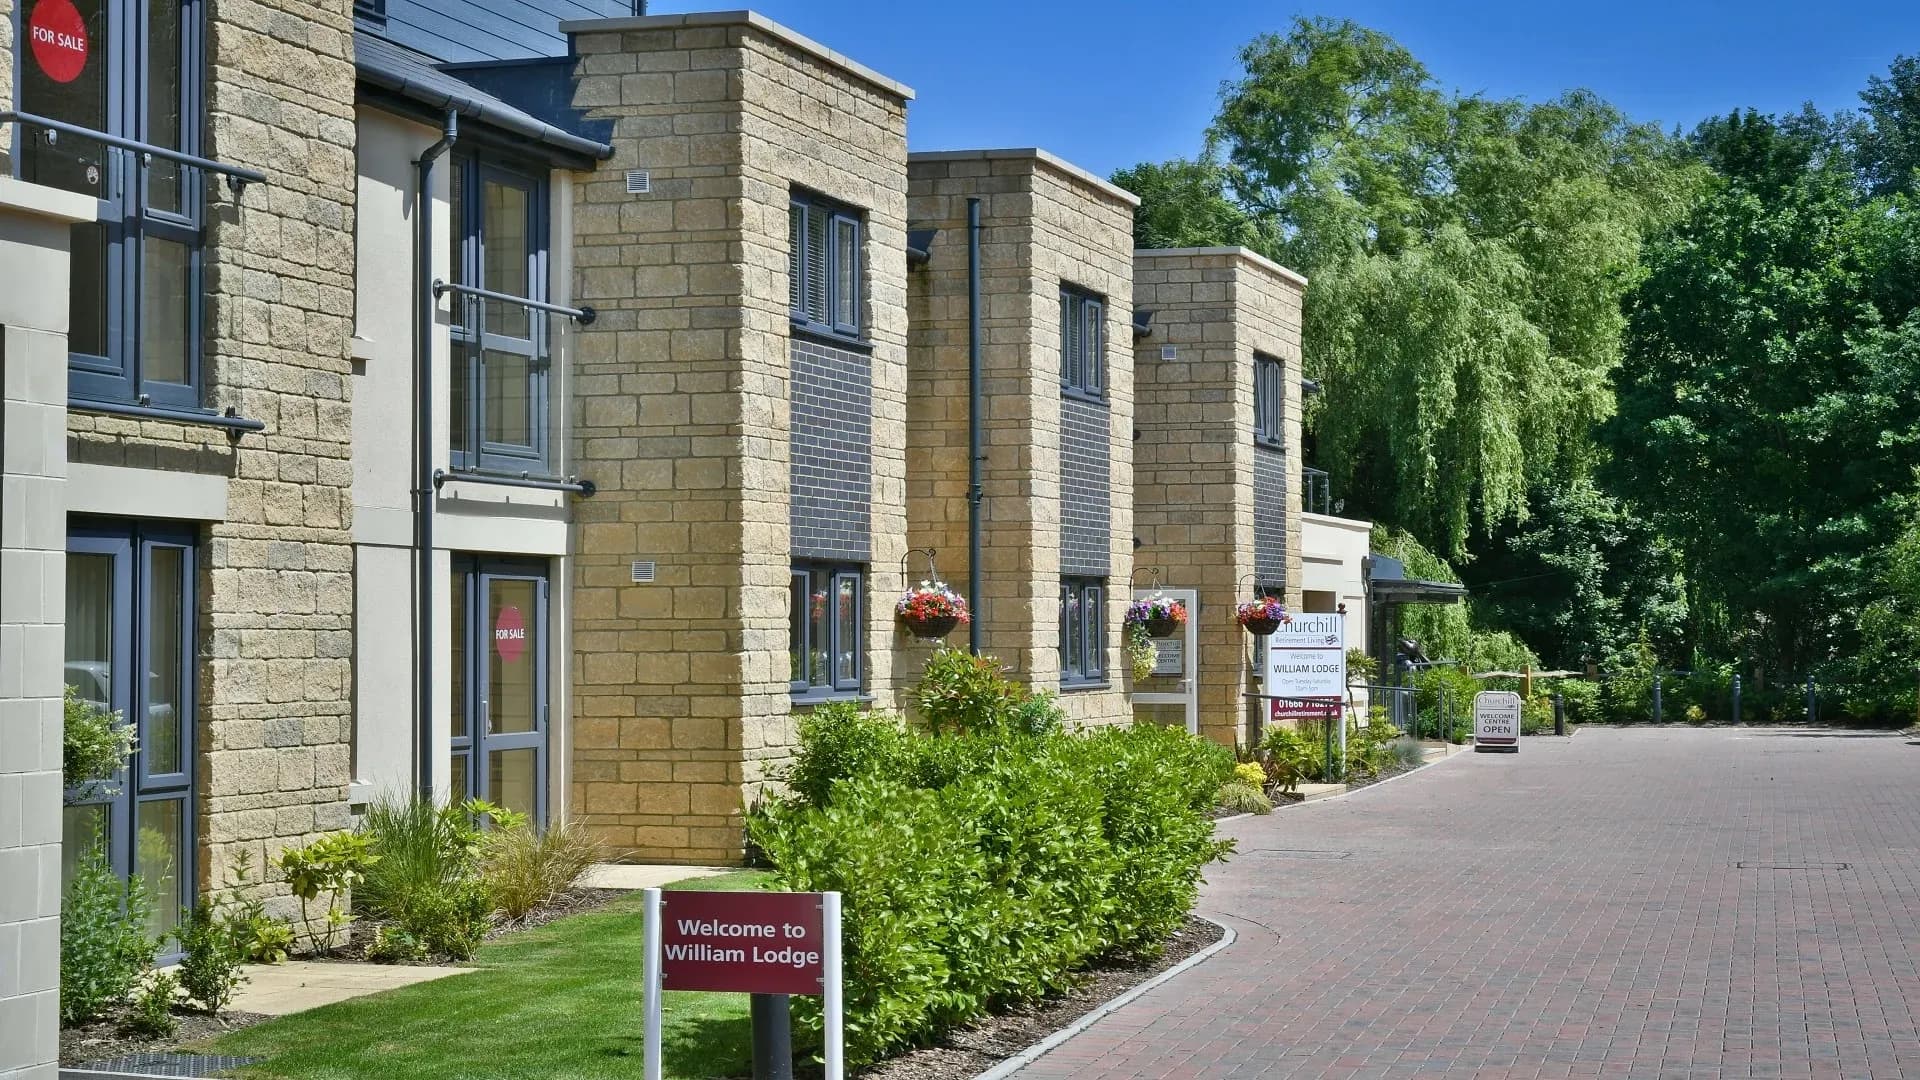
[
  {"x": 1162, "y": 617},
  {"x": 1262, "y": 617},
  {"x": 930, "y": 610}
]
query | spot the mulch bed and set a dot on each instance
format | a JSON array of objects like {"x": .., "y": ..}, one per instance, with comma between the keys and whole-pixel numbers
[
  {"x": 109, "y": 1038},
  {"x": 986, "y": 1043}
]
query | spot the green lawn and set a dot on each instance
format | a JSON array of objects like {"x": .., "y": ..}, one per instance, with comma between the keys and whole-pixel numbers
[{"x": 560, "y": 1002}]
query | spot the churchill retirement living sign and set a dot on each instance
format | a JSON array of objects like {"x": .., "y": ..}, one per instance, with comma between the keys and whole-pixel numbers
[
  {"x": 744, "y": 942},
  {"x": 1307, "y": 665}
]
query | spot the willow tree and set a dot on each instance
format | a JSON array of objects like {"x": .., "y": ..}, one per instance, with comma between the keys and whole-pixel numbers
[{"x": 1467, "y": 259}]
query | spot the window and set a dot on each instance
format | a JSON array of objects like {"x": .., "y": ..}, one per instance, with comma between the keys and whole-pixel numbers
[
  {"x": 1082, "y": 630},
  {"x": 130, "y": 648},
  {"x": 1083, "y": 342},
  {"x": 823, "y": 266},
  {"x": 498, "y": 388},
  {"x": 136, "y": 272},
  {"x": 1269, "y": 396},
  {"x": 825, "y": 620}
]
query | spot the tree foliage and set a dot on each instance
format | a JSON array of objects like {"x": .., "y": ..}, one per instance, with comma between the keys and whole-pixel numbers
[{"x": 1467, "y": 258}]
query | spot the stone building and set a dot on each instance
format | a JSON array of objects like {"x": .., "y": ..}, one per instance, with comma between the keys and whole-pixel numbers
[
  {"x": 1056, "y": 296},
  {"x": 1216, "y": 484},
  {"x": 742, "y": 401}
]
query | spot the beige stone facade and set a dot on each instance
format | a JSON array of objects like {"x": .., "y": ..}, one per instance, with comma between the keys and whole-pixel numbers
[
  {"x": 1045, "y": 225},
  {"x": 1213, "y": 310},
  {"x": 681, "y": 697}
]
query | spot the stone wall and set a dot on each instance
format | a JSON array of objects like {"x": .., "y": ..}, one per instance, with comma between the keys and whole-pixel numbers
[
  {"x": 276, "y": 584},
  {"x": 1044, "y": 224},
  {"x": 1198, "y": 473},
  {"x": 682, "y": 709}
]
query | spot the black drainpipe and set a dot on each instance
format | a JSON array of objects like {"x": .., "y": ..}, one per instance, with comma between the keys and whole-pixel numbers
[
  {"x": 974, "y": 493},
  {"x": 424, "y": 488}
]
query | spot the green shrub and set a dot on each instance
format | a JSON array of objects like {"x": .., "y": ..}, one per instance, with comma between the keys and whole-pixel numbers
[
  {"x": 525, "y": 868},
  {"x": 153, "y": 1007},
  {"x": 842, "y": 740},
  {"x": 211, "y": 956},
  {"x": 428, "y": 880},
  {"x": 1536, "y": 715},
  {"x": 986, "y": 868},
  {"x": 960, "y": 692},
  {"x": 333, "y": 865},
  {"x": 1251, "y": 774},
  {"x": 95, "y": 744},
  {"x": 1581, "y": 700},
  {"x": 1240, "y": 797},
  {"x": 104, "y": 946},
  {"x": 392, "y": 945},
  {"x": 1409, "y": 753},
  {"x": 1038, "y": 714}
]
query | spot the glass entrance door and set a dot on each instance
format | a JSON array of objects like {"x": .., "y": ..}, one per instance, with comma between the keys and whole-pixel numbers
[{"x": 500, "y": 684}]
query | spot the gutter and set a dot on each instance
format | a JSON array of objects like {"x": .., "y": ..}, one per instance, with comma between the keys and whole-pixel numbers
[{"x": 515, "y": 122}]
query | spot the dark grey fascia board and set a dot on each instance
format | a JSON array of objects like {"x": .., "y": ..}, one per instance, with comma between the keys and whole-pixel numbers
[{"x": 399, "y": 83}]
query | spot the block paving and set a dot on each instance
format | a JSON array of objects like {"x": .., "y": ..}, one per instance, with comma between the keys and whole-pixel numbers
[{"x": 1625, "y": 903}]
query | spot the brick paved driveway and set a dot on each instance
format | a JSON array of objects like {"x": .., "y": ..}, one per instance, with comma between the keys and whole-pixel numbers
[{"x": 1632, "y": 903}]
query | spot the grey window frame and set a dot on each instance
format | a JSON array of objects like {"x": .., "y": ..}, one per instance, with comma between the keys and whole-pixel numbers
[
  {"x": 1269, "y": 401},
  {"x": 1083, "y": 638},
  {"x": 1083, "y": 369},
  {"x": 803, "y": 269},
  {"x": 803, "y": 687},
  {"x": 125, "y": 220},
  {"x": 130, "y": 545},
  {"x": 468, "y": 338},
  {"x": 469, "y": 747}
]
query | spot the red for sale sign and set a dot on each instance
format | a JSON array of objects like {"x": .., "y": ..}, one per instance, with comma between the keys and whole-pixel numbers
[
  {"x": 58, "y": 36},
  {"x": 751, "y": 942}
]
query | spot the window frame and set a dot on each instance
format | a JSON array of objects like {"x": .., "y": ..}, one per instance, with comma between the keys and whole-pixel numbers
[
  {"x": 800, "y": 632},
  {"x": 1083, "y": 638},
  {"x": 804, "y": 208},
  {"x": 470, "y": 339},
  {"x": 1269, "y": 401},
  {"x": 127, "y": 220},
  {"x": 1083, "y": 369},
  {"x": 130, "y": 545}
]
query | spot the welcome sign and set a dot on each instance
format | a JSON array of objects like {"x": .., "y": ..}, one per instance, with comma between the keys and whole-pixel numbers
[{"x": 1307, "y": 658}]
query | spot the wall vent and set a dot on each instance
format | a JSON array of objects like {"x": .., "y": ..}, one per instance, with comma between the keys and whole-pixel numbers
[
  {"x": 1169, "y": 352},
  {"x": 642, "y": 571},
  {"x": 639, "y": 181}
]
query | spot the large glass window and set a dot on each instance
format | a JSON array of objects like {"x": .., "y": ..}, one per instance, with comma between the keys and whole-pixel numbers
[
  {"x": 1082, "y": 630},
  {"x": 1083, "y": 342},
  {"x": 129, "y": 69},
  {"x": 825, "y": 620},
  {"x": 500, "y": 684},
  {"x": 129, "y": 635},
  {"x": 498, "y": 387},
  {"x": 1269, "y": 398},
  {"x": 823, "y": 266}
]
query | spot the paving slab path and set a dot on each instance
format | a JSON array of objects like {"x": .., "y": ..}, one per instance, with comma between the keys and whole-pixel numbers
[{"x": 1663, "y": 902}]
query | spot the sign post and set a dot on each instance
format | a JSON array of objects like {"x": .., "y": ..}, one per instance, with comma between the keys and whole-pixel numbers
[
  {"x": 1496, "y": 721},
  {"x": 757, "y": 943},
  {"x": 1305, "y": 675}
]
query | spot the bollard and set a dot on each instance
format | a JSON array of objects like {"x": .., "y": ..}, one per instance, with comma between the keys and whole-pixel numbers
[
  {"x": 1813, "y": 701},
  {"x": 772, "y": 1036},
  {"x": 1656, "y": 697},
  {"x": 1736, "y": 701},
  {"x": 1559, "y": 714}
]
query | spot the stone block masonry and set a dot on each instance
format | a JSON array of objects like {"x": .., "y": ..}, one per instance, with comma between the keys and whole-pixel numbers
[
  {"x": 1215, "y": 511},
  {"x": 1058, "y": 474},
  {"x": 696, "y": 400}
]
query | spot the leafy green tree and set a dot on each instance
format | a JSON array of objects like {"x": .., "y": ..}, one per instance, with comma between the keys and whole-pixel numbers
[
  {"x": 1769, "y": 409},
  {"x": 1585, "y": 577},
  {"x": 1467, "y": 260},
  {"x": 1889, "y": 144},
  {"x": 1185, "y": 204}
]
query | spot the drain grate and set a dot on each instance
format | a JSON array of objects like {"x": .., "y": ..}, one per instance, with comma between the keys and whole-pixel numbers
[
  {"x": 196, "y": 1065},
  {"x": 1299, "y": 853},
  {"x": 1794, "y": 866}
]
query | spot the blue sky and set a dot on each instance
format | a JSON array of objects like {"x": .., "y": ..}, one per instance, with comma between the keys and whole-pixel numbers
[{"x": 1106, "y": 85}]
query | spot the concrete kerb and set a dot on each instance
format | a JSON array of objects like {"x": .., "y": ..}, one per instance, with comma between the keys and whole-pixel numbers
[{"x": 1040, "y": 1049}]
